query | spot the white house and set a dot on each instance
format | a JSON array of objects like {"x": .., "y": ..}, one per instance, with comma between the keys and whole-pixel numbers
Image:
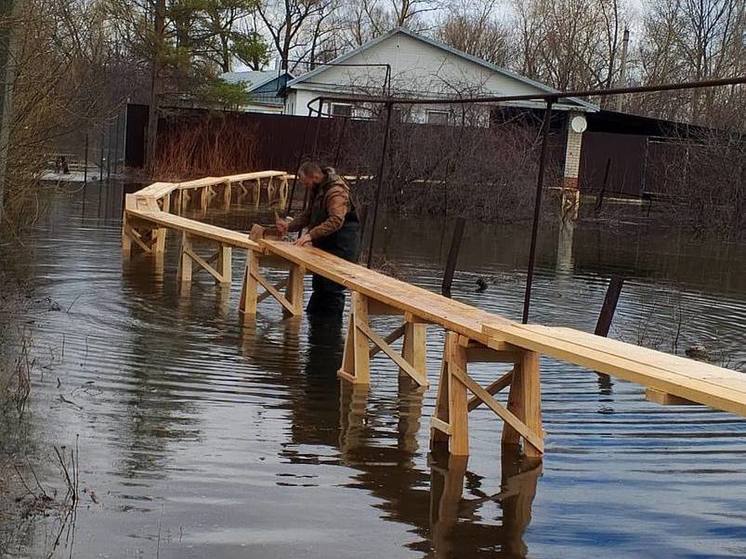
[
  {"x": 407, "y": 64},
  {"x": 403, "y": 63}
]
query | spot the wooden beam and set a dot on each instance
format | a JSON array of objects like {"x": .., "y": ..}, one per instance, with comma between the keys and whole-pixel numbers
[
  {"x": 356, "y": 359},
  {"x": 438, "y": 438},
  {"x": 295, "y": 288},
  {"x": 225, "y": 263},
  {"x": 204, "y": 264},
  {"x": 279, "y": 297},
  {"x": 278, "y": 286},
  {"x": 135, "y": 236},
  {"x": 665, "y": 399},
  {"x": 414, "y": 348},
  {"x": 184, "y": 272},
  {"x": 395, "y": 334},
  {"x": 440, "y": 425},
  {"x": 509, "y": 418},
  {"x": 388, "y": 350},
  {"x": 249, "y": 289},
  {"x": 503, "y": 382},
  {"x": 377, "y": 308},
  {"x": 458, "y": 412}
]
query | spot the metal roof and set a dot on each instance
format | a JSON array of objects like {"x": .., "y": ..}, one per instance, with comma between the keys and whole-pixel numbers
[{"x": 254, "y": 78}]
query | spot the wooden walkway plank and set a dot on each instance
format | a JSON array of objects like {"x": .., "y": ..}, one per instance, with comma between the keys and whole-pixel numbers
[
  {"x": 453, "y": 315},
  {"x": 196, "y": 228},
  {"x": 692, "y": 380}
]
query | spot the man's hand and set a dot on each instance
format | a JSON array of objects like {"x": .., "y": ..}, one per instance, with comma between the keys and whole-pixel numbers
[
  {"x": 304, "y": 240},
  {"x": 281, "y": 225}
]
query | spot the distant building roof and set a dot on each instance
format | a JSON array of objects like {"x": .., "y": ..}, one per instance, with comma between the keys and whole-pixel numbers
[{"x": 253, "y": 78}]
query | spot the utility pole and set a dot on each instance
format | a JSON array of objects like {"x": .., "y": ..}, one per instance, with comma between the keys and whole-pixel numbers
[
  {"x": 155, "y": 84},
  {"x": 622, "y": 68},
  {"x": 9, "y": 10}
]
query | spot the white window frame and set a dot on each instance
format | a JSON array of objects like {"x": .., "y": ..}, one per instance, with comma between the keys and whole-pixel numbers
[
  {"x": 333, "y": 107},
  {"x": 440, "y": 112}
]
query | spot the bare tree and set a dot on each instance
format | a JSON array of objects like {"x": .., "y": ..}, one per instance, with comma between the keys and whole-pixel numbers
[
  {"x": 285, "y": 21},
  {"x": 569, "y": 44},
  {"x": 694, "y": 40},
  {"x": 472, "y": 27}
]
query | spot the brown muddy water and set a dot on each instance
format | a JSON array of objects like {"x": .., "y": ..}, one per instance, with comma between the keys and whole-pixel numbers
[{"x": 204, "y": 437}]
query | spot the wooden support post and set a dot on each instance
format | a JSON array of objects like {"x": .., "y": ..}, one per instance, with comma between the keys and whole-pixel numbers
[
  {"x": 440, "y": 429},
  {"x": 184, "y": 272},
  {"x": 249, "y": 288},
  {"x": 414, "y": 348},
  {"x": 356, "y": 359},
  {"x": 294, "y": 289},
  {"x": 159, "y": 240},
  {"x": 283, "y": 193},
  {"x": 666, "y": 399},
  {"x": 257, "y": 192},
  {"x": 458, "y": 411},
  {"x": 270, "y": 191},
  {"x": 609, "y": 306},
  {"x": 126, "y": 239},
  {"x": 227, "y": 195},
  {"x": 225, "y": 264},
  {"x": 167, "y": 203},
  {"x": 204, "y": 198},
  {"x": 524, "y": 401},
  {"x": 458, "y": 235},
  {"x": 451, "y": 416}
]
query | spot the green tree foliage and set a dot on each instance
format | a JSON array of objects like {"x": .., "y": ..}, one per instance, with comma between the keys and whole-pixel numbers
[
  {"x": 200, "y": 40},
  {"x": 251, "y": 49}
]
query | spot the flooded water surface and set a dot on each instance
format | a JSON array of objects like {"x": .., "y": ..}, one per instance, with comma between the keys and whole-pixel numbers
[{"x": 200, "y": 435}]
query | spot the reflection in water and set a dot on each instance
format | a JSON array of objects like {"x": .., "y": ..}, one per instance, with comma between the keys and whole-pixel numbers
[
  {"x": 471, "y": 538},
  {"x": 565, "y": 236},
  {"x": 207, "y": 434}
]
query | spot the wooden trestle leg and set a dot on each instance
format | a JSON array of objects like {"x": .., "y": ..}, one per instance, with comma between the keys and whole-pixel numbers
[
  {"x": 357, "y": 354},
  {"x": 522, "y": 416},
  {"x": 291, "y": 301},
  {"x": 188, "y": 257}
]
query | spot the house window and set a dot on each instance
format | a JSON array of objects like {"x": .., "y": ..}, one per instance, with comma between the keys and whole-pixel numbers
[
  {"x": 437, "y": 117},
  {"x": 341, "y": 109}
]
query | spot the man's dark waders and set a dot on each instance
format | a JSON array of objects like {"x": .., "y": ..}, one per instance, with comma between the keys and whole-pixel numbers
[{"x": 329, "y": 297}]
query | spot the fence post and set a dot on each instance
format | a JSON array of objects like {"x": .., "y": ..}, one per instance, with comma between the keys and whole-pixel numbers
[
  {"x": 458, "y": 235},
  {"x": 607, "y": 309}
]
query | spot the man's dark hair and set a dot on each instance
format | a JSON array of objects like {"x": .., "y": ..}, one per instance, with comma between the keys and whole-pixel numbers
[{"x": 309, "y": 168}]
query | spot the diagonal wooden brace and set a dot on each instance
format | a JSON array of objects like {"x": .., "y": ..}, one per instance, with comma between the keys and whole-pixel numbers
[{"x": 522, "y": 416}]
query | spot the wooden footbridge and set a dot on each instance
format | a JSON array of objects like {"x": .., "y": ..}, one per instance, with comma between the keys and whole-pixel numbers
[{"x": 472, "y": 335}]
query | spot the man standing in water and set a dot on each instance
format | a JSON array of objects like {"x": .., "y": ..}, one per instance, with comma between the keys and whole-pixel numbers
[{"x": 332, "y": 225}]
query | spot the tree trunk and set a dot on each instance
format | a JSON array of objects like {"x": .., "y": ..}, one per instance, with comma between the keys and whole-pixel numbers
[
  {"x": 155, "y": 84},
  {"x": 8, "y": 57}
]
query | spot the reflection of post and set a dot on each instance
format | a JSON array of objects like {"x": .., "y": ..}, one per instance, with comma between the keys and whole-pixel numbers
[
  {"x": 248, "y": 334},
  {"x": 520, "y": 475},
  {"x": 410, "y": 412},
  {"x": 565, "y": 262},
  {"x": 223, "y": 299},
  {"x": 447, "y": 485},
  {"x": 353, "y": 400},
  {"x": 158, "y": 270}
]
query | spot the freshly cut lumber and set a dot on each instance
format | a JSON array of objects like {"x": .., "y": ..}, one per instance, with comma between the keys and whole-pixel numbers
[
  {"x": 699, "y": 382},
  {"x": 196, "y": 228},
  {"x": 453, "y": 315}
]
